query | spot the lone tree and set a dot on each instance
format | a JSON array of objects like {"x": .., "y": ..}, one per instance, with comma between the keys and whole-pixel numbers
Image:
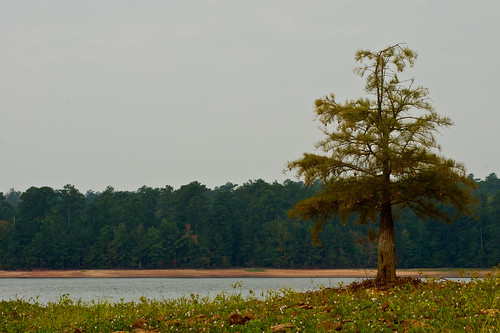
[{"x": 380, "y": 155}]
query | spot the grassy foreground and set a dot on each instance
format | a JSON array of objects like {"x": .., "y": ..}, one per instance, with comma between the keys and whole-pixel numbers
[{"x": 411, "y": 305}]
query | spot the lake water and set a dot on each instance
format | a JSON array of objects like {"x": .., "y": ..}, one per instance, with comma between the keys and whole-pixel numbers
[{"x": 47, "y": 290}]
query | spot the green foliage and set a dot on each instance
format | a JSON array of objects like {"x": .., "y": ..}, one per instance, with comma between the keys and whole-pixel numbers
[
  {"x": 371, "y": 142},
  {"x": 380, "y": 155},
  {"x": 243, "y": 226}
]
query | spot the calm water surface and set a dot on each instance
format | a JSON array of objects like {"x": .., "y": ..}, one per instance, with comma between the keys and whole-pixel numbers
[{"x": 47, "y": 290}]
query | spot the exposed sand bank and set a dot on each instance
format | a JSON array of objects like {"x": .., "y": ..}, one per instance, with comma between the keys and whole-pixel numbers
[{"x": 234, "y": 273}]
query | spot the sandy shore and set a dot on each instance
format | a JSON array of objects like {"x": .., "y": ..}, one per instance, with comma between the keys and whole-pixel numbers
[{"x": 232, "y": 273}]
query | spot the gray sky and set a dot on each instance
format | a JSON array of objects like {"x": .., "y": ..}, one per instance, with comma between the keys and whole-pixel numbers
[{"x": 129, "y": 93}]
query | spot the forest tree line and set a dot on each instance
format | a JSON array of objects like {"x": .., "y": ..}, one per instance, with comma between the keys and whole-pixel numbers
[{"x": 229, "y": 226}]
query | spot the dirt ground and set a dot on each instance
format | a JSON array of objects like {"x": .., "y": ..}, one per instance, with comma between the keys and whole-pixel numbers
[{"x": 235, "y": 273}]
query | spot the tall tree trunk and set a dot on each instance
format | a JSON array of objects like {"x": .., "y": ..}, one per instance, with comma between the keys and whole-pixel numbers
[{"x": 386, "y": 245}]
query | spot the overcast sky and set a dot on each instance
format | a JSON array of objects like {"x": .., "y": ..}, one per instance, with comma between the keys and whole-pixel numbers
[{"x": 129, "y": 93}]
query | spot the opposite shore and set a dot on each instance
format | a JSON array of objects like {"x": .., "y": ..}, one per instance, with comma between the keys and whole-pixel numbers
[{"x": 239, "y": 273}]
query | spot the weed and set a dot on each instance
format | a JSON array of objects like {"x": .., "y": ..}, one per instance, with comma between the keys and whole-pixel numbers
[{"x": 363, "y": 306}]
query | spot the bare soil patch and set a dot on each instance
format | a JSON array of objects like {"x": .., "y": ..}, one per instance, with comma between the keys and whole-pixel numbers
[{"x": 234, "y": 273}]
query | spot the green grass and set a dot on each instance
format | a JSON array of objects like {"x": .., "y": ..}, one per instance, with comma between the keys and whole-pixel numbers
[
  {"x": 430, "y": 306},
  {"x": 255, "y": 270}
]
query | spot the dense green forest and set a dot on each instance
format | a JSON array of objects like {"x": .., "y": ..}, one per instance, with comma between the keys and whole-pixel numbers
[{"x": 229, "y": 226}]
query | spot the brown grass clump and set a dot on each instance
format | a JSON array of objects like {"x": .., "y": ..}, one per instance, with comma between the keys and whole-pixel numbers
[{"x": 383, "y": 285}]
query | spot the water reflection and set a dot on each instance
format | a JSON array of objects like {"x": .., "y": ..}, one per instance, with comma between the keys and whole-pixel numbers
[{"x": 131, "y": 289}]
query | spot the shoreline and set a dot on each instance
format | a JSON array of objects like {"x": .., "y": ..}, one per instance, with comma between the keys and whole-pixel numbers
[{"x": 240, "y": 273}]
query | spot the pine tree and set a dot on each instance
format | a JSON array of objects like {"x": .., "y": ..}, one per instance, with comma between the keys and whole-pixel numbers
[{"x": 380, "y": 155}]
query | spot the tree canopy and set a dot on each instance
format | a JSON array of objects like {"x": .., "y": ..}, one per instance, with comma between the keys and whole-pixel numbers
[
  {"x": 380, "y": 155},
  {"x": 241, "y": 226}
]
